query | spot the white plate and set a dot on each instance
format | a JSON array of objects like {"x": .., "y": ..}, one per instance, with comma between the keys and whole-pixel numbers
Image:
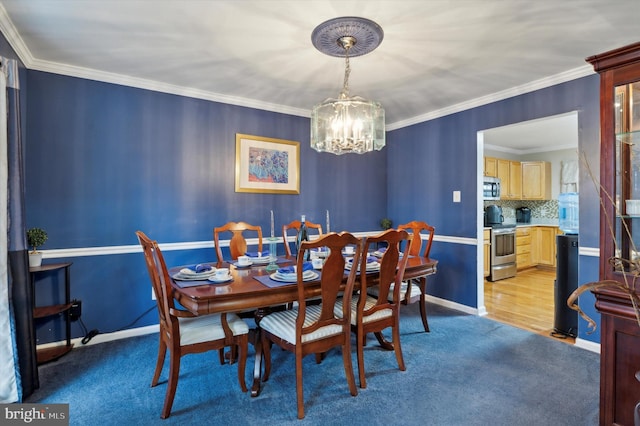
[
  {"x": 292, "y": 278},
  {"x": 371, "y": 266},
  {"x": 260, "y": 260},
  {"x": 194, "y": 277},
  {"x": 221, "y": 280},
  {"x": 237, "y": 265}
]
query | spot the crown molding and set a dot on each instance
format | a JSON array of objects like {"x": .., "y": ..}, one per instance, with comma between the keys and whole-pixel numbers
[
  {"x": 542, "y": 83},
  {"x": 14, "y": 39},
  {"x": 529, "y": 151}
]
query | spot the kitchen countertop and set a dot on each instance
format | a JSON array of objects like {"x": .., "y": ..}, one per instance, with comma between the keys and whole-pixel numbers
[{"x": 534, "y": 222}]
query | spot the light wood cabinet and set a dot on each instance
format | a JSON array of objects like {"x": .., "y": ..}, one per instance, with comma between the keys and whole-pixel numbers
[
  {"x": 487, "y": 252},
  {"x": 491, "y": 166},
  {"x": 536, "y": 180},
  {"x": 523, "y": 247},
  {"x": 510, "y": 174},
  {"x": 546, "y": 245}
]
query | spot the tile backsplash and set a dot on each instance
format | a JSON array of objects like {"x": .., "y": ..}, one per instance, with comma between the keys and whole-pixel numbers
[{"x": 544, "y": 209}]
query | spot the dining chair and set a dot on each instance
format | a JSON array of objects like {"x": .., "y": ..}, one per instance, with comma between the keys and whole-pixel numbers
[
  {"x": 184, "y": 333},
  {"x": 375, "y": 314},
  {"x": 237, "y": 243},
  {"x": 314, "y": 329},
  {"x": 415, "y": 290},
  {"x": 295, "y": 225}
]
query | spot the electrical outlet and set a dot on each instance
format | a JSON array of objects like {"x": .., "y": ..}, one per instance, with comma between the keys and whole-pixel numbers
[{"x": 76, "y": 310}]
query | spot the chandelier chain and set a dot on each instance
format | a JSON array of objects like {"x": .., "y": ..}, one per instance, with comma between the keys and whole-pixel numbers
[{"x": 347, "y": 71}]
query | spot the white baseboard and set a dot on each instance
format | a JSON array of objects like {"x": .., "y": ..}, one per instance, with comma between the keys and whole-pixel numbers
[
  {"x": 107, "y": 337},
  {"x": 452, "y": 305},
  {"x": 588, "y": 345}
]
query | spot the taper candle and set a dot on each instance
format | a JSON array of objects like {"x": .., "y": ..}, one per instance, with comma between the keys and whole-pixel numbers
[
  {"x": 328, "y": 227},
  {"x": 272, "y": 225}
]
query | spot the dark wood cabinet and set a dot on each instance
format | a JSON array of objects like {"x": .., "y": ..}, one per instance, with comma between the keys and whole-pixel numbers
[
  {"x": 55, "y": 352},
  {"x": 619, "y": 71}
]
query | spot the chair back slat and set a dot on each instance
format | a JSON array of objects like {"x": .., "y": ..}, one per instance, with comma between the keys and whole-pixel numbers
[
  {"x": 332, "y": 279},
  {"x": 237, "y": 243},
  {"x": 160, "y": 280},
  {"x": 392, "y": 267},
  {"x": 416, "y": 228},
  {"x": 295, "y": 226}
]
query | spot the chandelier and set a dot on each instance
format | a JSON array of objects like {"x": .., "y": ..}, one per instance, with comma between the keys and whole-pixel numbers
[{"x": 348, "y": 123}]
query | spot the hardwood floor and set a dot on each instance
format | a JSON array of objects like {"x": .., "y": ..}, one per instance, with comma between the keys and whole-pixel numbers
[{"x": 525, "y": 301}]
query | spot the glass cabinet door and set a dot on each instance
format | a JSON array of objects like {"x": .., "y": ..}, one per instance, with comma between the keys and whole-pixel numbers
[{"x": 627, "y": 172}]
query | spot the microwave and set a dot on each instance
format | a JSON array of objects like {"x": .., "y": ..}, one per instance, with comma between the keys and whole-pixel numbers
[{"x": 491, "y": 188}]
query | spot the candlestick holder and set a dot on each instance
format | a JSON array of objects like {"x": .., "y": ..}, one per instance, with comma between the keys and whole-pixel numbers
[{"x": 273, "y": 247}]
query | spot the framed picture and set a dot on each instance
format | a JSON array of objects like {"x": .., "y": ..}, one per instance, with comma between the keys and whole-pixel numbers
[{"x": 267, "y": 165}]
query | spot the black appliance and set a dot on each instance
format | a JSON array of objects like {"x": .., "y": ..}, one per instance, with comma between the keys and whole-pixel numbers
[
  {"x": 566, "y": 319},
  {"x": 491, "y": 188},
  {"x": 523, "y": 215},
  {"x": 493, "y": 215}
]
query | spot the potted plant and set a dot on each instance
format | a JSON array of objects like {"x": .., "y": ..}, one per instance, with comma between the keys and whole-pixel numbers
[
  {"x": 36, "y": 237},
  {"x": 386, "y": 223}
]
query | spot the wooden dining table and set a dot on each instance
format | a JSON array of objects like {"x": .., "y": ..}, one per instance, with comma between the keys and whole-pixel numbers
[{"x": 246, "y": 292}]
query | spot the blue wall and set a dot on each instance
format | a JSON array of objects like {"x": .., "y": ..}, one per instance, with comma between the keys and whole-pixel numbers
[
  {"x": 106, "y": 160},
  {"x": 429, "y": 160}
]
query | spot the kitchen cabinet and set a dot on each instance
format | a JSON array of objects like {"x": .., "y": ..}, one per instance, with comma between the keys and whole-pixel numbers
[
  {"x": 487, "y": 252},
  {"x": 491, "y": 166},
  {"x": 523, "y": 247},
  {"x": 619, "y": 71},
  {"x": 536, "y": 180},
  {"x": 546, "y": 245},
  {"x": 510, "y": 174}
]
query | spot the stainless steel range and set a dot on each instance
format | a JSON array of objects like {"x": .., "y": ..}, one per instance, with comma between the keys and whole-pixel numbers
[{"x": 503, "y": 252}]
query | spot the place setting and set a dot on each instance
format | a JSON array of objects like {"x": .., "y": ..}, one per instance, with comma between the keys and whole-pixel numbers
[
  {"x": 256, "y": 258},
  {"x": 199, "y": 272},
  {"x": 289, "y": 274},
  {"x": 222, "y": 275},
  {"x": 243, "y": 262},
  {"x": 372, "y": 264}
]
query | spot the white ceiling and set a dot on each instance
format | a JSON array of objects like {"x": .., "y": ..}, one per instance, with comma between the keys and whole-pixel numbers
[
  {"x": 552, "y": 133},
  {"x": 437, "y": 56}
]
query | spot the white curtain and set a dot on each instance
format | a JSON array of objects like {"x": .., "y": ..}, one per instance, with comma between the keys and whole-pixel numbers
[{"x": 9, "y": 371}]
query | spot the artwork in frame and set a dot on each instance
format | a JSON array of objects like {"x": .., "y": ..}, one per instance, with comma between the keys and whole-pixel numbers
[{"x": 267, "y": 165}]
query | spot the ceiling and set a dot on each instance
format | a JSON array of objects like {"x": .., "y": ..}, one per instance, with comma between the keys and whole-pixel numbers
[{"x": 437, "y": 56}]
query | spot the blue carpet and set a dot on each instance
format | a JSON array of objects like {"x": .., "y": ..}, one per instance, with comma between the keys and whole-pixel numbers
[{"x": 467, "y": 371}]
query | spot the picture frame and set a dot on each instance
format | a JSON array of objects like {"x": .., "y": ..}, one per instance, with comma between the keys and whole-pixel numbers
[{"x": 267, "y": 165}]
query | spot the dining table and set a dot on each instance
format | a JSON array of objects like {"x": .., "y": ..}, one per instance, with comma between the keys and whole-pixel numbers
[{"x": 252, "y": 289}]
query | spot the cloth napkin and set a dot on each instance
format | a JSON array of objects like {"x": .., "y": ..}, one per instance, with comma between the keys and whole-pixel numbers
[
  {"x": 257, "y": 253},
  {"x": 196, "y": 269},
  {"x": 306, "y": 266}
]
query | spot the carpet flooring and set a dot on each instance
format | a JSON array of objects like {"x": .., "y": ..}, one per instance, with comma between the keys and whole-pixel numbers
[{"x": 467, "y": 371}]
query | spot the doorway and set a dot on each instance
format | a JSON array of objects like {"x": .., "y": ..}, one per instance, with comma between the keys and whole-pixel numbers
[{"x": 526, "y": 300}]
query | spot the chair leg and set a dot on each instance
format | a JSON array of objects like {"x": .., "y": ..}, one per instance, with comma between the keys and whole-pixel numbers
[
  {"x": 348, "y": 367},
  {"x": 396, "y": 344},
  {"x": 423, "y": 305},
  {"x": 360, "y": 352},
  {"x": 174, "y": 372},
  {"x": 162, "y": 351},
  {"x": 221, "y": 355},
  {"x": 242, "y": 361},
  {"x": 299, "y": 390},
  {"x": 266, "y": 354}
]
